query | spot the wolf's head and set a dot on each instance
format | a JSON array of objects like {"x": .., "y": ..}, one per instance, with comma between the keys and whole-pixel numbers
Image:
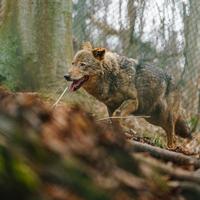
[{"x": 86, "y": 65}]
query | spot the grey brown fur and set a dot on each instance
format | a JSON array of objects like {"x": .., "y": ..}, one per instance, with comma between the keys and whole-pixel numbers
[{"x": 129, "y": 88}]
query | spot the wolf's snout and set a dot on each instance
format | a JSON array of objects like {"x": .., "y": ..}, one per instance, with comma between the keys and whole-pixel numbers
[{"x": 67, "y": 77}]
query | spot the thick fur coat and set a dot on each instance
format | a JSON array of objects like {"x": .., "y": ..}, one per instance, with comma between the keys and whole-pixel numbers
[{"x": 127, "y": 87}]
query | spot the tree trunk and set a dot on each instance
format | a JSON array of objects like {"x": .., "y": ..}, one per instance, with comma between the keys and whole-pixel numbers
[
  {"x": 192, "y": 52},
  {"x": 35, "y": 42}
]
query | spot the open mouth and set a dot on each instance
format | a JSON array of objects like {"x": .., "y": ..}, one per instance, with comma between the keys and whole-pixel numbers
[{"x": 76, "y": 84}]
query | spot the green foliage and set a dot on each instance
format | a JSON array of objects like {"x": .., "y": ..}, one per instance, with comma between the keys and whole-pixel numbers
[
  {"x": 158, "y": 141},
  {"x": 16, "y": 173},
  {"x": 192, "y": 121},
  {"x": 25, "y": 175},
  {"x": 10, "y": 57}
]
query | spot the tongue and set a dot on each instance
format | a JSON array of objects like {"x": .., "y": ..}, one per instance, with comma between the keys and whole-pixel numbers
[
  {"x": 71, "y": 88},
  {"x": 75, "y": 85}
]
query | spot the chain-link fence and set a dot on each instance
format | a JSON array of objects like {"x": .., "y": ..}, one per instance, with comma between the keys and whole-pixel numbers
[{"x": 163, "y": 32}]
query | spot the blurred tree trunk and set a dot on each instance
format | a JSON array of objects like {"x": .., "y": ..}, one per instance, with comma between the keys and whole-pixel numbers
[
  {"x": 192, "y": 52},
  {"x": 80, "y": 25},
  {"x": 128, "y": 36},
  {"x": 35, "y": 42}
]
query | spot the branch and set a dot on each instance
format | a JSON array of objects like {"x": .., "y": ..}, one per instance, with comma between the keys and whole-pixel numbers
[
  {"x": 164, "y": 154},
  {"x": 174, "y": 172},
  {"x": 107, "y": 29}
]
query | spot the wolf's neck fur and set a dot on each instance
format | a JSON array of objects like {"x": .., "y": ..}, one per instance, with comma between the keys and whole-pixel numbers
[
  {"x": 101, "y": 86},
  {"x": 113, "y": 80}
]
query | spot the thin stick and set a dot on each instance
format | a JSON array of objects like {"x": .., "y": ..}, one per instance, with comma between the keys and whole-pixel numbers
[
  {"x": 105, "y": 118},
  {"x": 60, "y": 97}
]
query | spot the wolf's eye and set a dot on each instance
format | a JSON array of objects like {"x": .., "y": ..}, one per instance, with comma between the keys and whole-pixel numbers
[
  {"x": 72, "y": 63},
  {"x": 82, "y": 64}
]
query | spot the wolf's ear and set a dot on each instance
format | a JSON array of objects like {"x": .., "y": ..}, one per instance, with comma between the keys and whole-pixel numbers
[
  {"x": 99, "y": 53},
  {"x": 87, "y": 46}
]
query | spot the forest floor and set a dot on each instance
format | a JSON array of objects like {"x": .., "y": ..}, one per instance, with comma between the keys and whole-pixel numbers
[
  {"x": 144, "y": 131},
  {"x": 65, "y": 152}
]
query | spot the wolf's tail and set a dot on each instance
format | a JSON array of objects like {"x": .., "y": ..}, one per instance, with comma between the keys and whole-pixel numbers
[{"x": 182, "y": 129}]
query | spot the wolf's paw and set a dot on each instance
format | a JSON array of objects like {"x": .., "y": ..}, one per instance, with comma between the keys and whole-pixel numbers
[
  {"x": 128, "y": 136},
  {"x": 117, "y": 113},
  {"x": 129, "y": 133},
  {"x": 178, "y": 149},
  {"x": 133, "y": 132},
  {"x": 172, "y": 148}
]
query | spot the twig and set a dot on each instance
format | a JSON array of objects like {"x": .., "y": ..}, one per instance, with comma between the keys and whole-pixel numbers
[
  {"x": 105, "y": 118},
  {"x": 60, "y": 97}
]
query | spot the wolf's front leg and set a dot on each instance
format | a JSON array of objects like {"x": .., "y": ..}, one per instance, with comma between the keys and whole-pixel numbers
[
  {"x": 126, "y": 108},
  {"x": 170, "y": 130}
]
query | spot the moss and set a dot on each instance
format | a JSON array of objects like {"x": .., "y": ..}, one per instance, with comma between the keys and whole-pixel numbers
[
  {"x": 25, "y": 175},
  {"x": 10, "y": 57}
]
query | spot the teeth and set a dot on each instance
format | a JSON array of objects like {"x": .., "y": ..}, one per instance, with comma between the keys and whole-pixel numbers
[{"x": 76, "y": 84}]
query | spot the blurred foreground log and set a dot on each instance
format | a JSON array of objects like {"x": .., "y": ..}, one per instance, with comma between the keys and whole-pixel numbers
[{"x": 63, "y": 154}]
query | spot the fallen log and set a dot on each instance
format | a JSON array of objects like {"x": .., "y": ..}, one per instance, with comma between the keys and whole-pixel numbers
[
  {"x": 175, "y": 173},
  {"x": 187, "y": 182},
  {"x": 164, "y": 154},
  {"x": 188, "y": 190}
]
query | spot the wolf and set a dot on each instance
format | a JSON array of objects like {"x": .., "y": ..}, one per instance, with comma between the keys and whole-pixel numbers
[{"x": 128, "y": 87}]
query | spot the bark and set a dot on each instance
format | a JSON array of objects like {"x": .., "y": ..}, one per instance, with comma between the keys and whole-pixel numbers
[
  {"x": 80, "y": 27},
  {"x": 174, "y": 172},
  {"x": 192, "y": 51},
  {"x": 165, "y": 155},
  {"x": 36, "y": 42},
  {"x": 128, "y": 37}
]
